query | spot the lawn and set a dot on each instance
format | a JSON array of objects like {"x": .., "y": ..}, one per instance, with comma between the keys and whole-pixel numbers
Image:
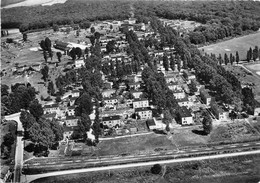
[
  {"x": 240, "y": 44},
  {"x": 135, "y": 145}
]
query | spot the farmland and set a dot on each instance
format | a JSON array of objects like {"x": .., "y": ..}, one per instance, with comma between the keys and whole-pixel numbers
[
  {"x": 240, "y": 44},
  {"x": 237, "y": 169}
]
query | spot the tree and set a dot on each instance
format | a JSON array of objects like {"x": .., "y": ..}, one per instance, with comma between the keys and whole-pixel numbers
[
  {"x": 249, "y": 54},
  {"x": 165, "y": 62},
  {"x": 172, "y": 62},
  {"x": 178, "y": 63},
  {"x": 8, "y": 139},
  {"x": 156, "y": 169},
  {"x": 111, "y": 46},
  {"x": 85, "y": 105},
  {"x": 48, "y": 44},
  {"x": 59, "y": 55},
  {"x": 226, "y": 59},
  {"x": 25, "y": 37},
  {"x": 36, "y": 109},
  {"x": 92, "y": 30},
  {"x": 27, "y": 119},
  {"x": 167, "y": 117},
  {"x": 51, "y": 89},
  {"x": 86, "y": 51},
  {"x": 42, "y": 45},
  {"x": 255, "y": 53},
  {"x": 58, "y": 99},
  {"x": 231, "y": 58},
  {"x": 4, "y": 90},
  {"x": 72, "y": 53},
  {"x": 207, "y": 124},
  {"x": 237, "y": 57},
  {"x": 78, "y": 52},
  {"x": 45, "y": 73},
  {"x": 55, "y": 27},
  {"x": 193, "y": 88},
  {"x": 50, "y": 54},
  {"x": 45, "y": 56}
]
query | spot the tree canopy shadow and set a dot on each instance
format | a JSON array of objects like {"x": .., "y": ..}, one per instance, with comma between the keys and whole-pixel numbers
[{"x": 199, "y": 132}]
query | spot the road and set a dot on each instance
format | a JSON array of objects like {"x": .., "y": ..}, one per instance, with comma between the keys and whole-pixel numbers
[
  {"x": 30, "y": 178},
  {"x": 19, "y": 146}
]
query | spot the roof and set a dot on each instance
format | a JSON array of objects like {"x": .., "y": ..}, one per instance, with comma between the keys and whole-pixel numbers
[
  {"x": 69, "y": 128},
  {"x": 140, "y": 99},
  {"x": 150, "y": 122},
  {"x": 184, "y": 112},
  {"x": 177, "y": 91},
  {"x": 142, "y": 109},
  {"x": 109, "y": 118},
  {"x": 70, "y": 117},
  {"x": 75, "y": 91},
  {"x": 185, "y": 99},
  {"x": 51, "y": 106},
  {"x": 110, "y": 98},
  {"x": 51, "y": 115}
]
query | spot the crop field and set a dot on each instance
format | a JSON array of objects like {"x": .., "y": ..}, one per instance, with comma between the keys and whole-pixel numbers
[
  {"x": 240, "y": 44},
  {"x": 236, "y": 169},
  {"x": 8, "y": 2}
]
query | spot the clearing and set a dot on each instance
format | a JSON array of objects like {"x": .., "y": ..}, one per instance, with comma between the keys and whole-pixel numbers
[{"x": 240, "y": 44}]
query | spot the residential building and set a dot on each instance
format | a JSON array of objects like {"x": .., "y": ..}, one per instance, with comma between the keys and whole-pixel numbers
[
  {"x": 174, "y": 86},
  {"x": 136, "y": 93},
  {"x": 70, "y": 111},
  {"x": 50, "y": 116},
  {"x": 144, "y": 112},
  {"x": 178, "y": 94},
  {"x": 53, "y": 108},
  {"x": 151, "y": 124},
  {"x": 140, "y": 102},
  {"x": 184, "y": 102},
  {"x": 108, "y": 92},
  {"x": 111, "y": 121},
  {"x": 68, "y": 130},
  {"x": 75, "y": 93},
  {"x": 185, "y": 116},
  {"x": 110, "y": 100},
  {"x": 134, "y": 86},
  {"x": 188, "y": 75},
  {"x": 218, "y": 112},
  {"x": 79, "y": 63},
  {"x": 72, "y": 100},
  {"x": 71, "y": 121},
  {"x": 206, "y": 98}
]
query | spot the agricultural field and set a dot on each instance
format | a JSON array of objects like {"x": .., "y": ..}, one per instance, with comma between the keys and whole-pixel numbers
[
  {"x": 240, "y": 44},
  {"x": 232, "y": 170},
  {"x": 8, "y": 2}
]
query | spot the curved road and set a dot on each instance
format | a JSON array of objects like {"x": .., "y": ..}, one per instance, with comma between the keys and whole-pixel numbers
[
  {"x": 19, "y": 146},
  {"x": 30, "y": 178}
]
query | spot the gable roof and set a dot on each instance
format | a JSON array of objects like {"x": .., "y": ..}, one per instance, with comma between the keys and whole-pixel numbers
[
  {"x": 184, "y": 112},
  {"x": 142, "y": 109},
  {"x": 111, "y": 118}
]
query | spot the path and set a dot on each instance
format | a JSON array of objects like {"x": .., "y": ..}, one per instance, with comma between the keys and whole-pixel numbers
[
  {"x": 30, "y": 178},
  {"x": 19, "y": 146}
]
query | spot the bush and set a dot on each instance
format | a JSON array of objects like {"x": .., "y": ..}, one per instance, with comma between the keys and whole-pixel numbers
[{"x": 156, "y": 169}]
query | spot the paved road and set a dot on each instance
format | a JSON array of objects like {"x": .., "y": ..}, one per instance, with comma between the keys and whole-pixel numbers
[
  {"x": 19, "y": 146},
  {"x": 30, "y": 178}
]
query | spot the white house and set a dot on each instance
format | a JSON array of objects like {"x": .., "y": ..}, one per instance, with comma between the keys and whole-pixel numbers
[
  {"x": 257, "y": 111},
  {"x": 184, "y": 102},
  {"x": 144, "y": 113},
  {"x": 111, "y": 121},
  {"x": 110, "y": 100},
  {"x": 75, "y": 93},
  {"x": 185, "y": 116},
  {"x": 79, "y": 63},
  {"x": 53, "y": 108},
  {"x": 178, "y": 94},
  {"x": 174, "y": 86},
  {"x": 70, "y": 111},
  {"x": 137, "y": 93},
  {"x": 108, "y": 92},
  {"x": 138, "y": 103}
]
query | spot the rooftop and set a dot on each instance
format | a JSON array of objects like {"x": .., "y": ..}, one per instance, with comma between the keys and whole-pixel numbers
[
  {"x": 142, "y": 109},
  {"x": 109, "y": 118},
  {"x": 140, "y": 99},
  {"x": 184, "y": 112}
]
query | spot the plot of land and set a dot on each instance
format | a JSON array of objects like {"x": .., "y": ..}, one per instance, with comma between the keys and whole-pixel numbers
[
  {"x": 17, "y": 3},
  {"x": 241, "y": 44},
  {"x": 135, "y": 145}
]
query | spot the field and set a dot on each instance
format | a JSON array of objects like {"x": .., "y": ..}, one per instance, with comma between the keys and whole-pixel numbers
[
  {"x": 232, "y": 170},
  {"x": 135, "y": 145},
  {"x": 240, "y": 44},
  {"x": 8, "y": 2}
]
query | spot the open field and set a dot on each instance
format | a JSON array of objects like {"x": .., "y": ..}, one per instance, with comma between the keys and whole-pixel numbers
[
  {"x": 135, "y": 145},
  {"x": 240, "y": 44},
  {"x": 236, "y": 169},
  {"x": 17, "y": 3},
  {"x": 246, "y": 78}
]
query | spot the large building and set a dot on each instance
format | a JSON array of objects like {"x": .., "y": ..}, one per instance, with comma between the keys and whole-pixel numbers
[
  {"x": 111, "y": 121},
  {"x": 138, "y": 103},
  {"x": 185, "y": 116},
  {"x": 144, "y": 113}
]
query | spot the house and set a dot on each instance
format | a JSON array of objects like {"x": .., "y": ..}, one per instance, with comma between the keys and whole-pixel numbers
[
  {"x": 184, "y": 102},
  {"x": 79, "y": 63},
  {"x": 108, "y": 92},
  {"x": 136, "y": 93},
  {"x": 151, "y": 124},
  {"x": 257, "y": 111},
  {"x": 178, "y": 94},
  {"x": 73, "y": 100},
  {"x": 174, "y": 86},
  {"x": 70, "y": 111},
  {"x": 71, "y": 121},
  {"x": 185, "y": 116},
  {"x": 218, "y": 112},
  {"x": 53, "y": 108},
  {"x": 110, "y": 100},
  {"x": 140, "y": 102},
  {"x": 134, "y": 86},
  {"x": 111, "y": 121},
  {"x": 144, "y": 112},
  {"x": 62, "y": 46},
  {"x": 68, "y": 130},
  {"x": 75, "y": 93},
  {"x": 5, "y": 173},
  {"x": 188, "y": 75},
  {"x": 134, "y": 78},
  {"x": 206, "y": 98},
  {"x": 170, "y": 78},
  {"x": 50, "y": 116}
]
